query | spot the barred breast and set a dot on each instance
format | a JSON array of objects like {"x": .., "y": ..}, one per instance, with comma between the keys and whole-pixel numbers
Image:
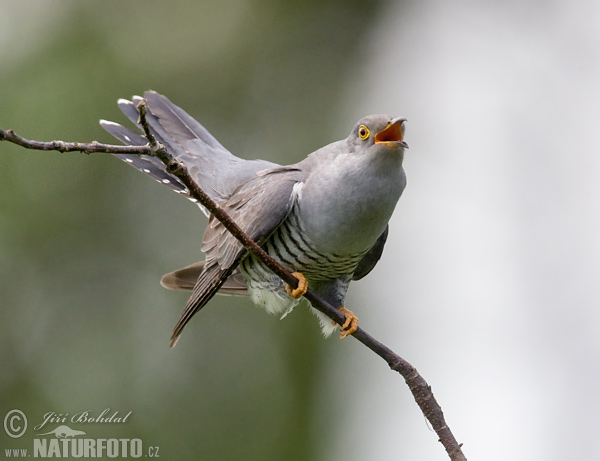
[{"x": 293, "y": 248}]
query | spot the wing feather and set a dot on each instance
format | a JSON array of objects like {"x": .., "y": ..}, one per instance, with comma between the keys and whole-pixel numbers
[
  {"x": 369, "y": 260},
  {"x": 258, "y": 206}
]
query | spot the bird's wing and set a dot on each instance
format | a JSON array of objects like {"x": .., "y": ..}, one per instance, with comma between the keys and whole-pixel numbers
[
  {"x": 258, "y": 207},
  {"x": 216, "y": 170},
  {"x": 368, "y": 262}
]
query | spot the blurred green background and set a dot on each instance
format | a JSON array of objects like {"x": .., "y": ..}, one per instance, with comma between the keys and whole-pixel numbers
[{"x": 84, "y": 323}]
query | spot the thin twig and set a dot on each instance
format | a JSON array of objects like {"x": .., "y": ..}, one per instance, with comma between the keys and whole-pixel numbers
[
  {"x": 61, "y": 146},
  {"x": 418, "y": 386}
]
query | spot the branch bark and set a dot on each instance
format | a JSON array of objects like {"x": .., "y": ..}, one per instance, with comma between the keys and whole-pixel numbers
[{"x": 418, "y": 386}]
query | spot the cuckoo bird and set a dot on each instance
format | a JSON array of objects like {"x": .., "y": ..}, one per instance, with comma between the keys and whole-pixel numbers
[{"x": 325, "y": 218}]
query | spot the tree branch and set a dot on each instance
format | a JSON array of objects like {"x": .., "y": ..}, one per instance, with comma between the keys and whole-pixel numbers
[
  {"x": 61, "y": 146},
  {"x": 418, "y": 386}
]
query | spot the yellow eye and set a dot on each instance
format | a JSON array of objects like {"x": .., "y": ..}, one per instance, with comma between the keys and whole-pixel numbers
[{"x": 363, "y": 132}]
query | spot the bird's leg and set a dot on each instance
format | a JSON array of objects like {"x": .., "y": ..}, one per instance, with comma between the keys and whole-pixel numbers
[
  {"x": 351, "y": 323},
  {"x": 301, "y": 289}
]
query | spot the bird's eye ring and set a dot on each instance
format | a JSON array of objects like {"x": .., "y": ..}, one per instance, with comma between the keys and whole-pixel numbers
[{"x": 363, "y": 132}]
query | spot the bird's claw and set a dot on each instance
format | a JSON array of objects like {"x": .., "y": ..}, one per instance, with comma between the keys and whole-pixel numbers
[
  {"x": 301, "y": 289},
  {"x": 351, "y": 323}
]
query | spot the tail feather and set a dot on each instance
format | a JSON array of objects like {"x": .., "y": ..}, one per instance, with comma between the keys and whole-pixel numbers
[
  {"x": 179, "y": 125},
  {"x": 125, "y": 135},
  {"x": 172, "y": 126},
  {"x": 149, "y": 165},
  {"x": 130, "y": 109},
  {"x": 210, "y": 281},
  {"x": 216, "y": 170}
]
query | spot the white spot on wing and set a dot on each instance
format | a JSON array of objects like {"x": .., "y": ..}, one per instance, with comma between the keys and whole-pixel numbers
[
  {"x": 166, "y": 181},
  {"x": 297, "y": 191},
  {"x": 128, "y": 160},
  {"x": 123, "y": 101}
]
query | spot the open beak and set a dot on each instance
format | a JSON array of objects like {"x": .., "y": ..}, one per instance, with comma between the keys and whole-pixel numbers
[{"x": 392, "y": 134}]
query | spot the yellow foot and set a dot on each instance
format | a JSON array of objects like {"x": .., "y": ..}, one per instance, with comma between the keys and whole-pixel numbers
[
  {"x": 302, "y": 286},
  {"x": 351, "y": 323}
]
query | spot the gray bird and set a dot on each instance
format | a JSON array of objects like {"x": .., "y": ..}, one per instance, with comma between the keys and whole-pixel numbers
[{"x": 325, "y": 218}]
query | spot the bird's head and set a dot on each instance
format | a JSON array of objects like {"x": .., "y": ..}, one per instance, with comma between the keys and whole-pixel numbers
[{"x": 378, "y": 133}]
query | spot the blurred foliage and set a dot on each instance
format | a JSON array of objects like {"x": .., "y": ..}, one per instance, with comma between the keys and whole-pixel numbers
[{"x": 84, "y": 324}]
